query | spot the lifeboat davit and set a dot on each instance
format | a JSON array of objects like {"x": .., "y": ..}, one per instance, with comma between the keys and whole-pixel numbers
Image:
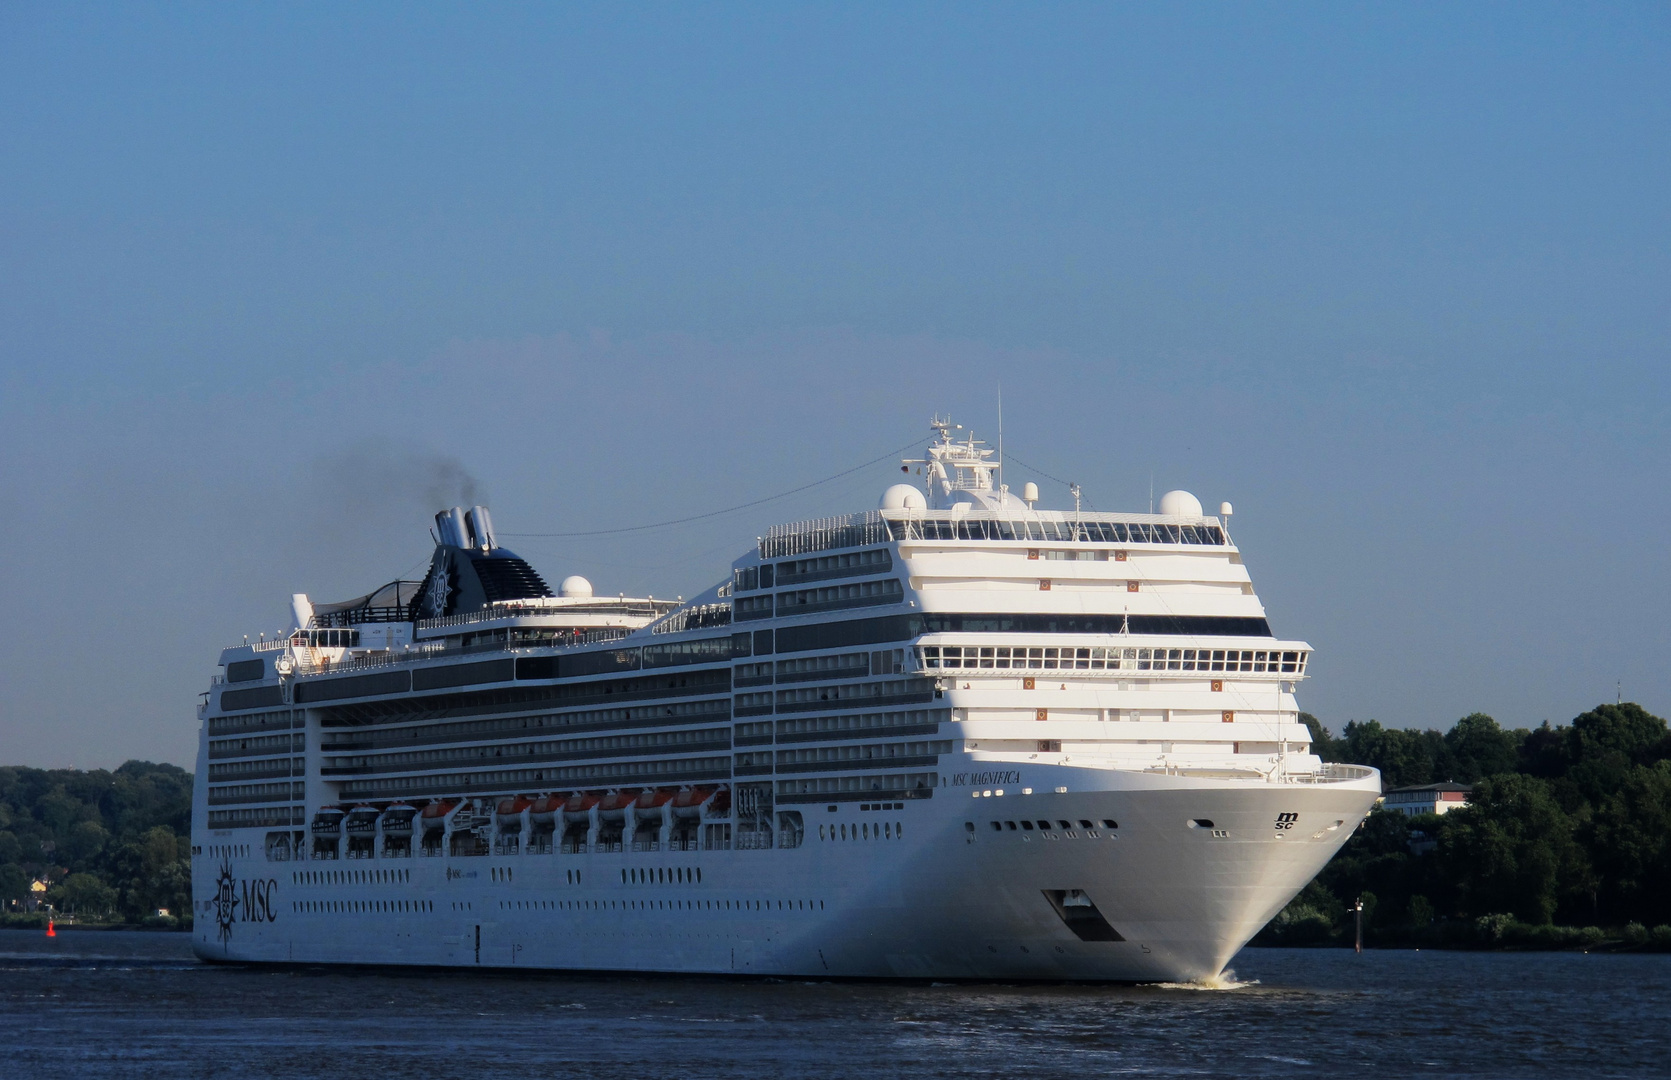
[
  {"x": 435, "y": 814},
  {"x": 579, "y": 807},
  {"x": 546, "y": 808},
  {"x": 614, "y": 805},
  {"x": 328, "y": 821}
]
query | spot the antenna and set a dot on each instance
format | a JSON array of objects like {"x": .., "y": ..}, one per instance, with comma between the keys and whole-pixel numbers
[
  {"x": 1000, "y": 484},
  {"x": 1151, "y": 491}
]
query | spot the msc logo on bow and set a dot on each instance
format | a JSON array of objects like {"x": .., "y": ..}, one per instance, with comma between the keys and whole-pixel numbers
[
  {"x": 226, "y": 902},
  {"x": 1286, "y": 821},
  {"x": 256, "y": 904}
]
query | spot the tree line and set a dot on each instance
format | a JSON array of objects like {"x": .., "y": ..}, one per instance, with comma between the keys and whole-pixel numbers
[
  {"x": 111, "y": 845},
  {"x": 1566, "y": 827}
]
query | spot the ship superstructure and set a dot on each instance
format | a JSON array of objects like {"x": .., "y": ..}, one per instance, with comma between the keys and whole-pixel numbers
[{"x": 955, "y": 737}]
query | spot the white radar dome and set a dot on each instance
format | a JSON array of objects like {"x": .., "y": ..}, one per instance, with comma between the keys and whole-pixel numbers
[
  {"x": 575, "y": 587},
  {"x": 1180, "y": 504},
  {"x": 903, "y": 497}
]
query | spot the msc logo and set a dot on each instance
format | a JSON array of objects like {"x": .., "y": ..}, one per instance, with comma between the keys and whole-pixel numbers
[
  {"x": 1286, "y": 821},
  {"x": 226, "y": 901},
  {"x": 258, "y": 903}
]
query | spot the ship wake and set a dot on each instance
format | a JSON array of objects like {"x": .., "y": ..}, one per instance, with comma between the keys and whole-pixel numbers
[{"x": 1224, "y": 980}]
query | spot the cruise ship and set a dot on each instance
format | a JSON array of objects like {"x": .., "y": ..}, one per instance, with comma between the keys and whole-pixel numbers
[{"x": 960, "y": 736}]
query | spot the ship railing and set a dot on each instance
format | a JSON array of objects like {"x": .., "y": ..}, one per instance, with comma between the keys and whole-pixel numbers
[
  {"x": 1332, "y": 772},
  {"x": 1039, "y": 526},
  {"x": 1055, "y": 526},
  {"x": 308, "y": 664},
  {"x": 697, "y": 617},
  {"x": 362, "y": 615},
  {"x": 822, "y": 534},
  {"x": 514, "y": 609}
]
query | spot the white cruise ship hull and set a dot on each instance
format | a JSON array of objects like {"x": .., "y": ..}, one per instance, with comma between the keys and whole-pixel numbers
[{"x": 940, "y": 902}]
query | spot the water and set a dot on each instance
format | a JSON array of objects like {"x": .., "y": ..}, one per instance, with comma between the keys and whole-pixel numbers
[{"x": 89, "y": 1004}]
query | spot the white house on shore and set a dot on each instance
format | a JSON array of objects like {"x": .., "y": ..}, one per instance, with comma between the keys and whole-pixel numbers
[{"x": 1427, "y": 798}]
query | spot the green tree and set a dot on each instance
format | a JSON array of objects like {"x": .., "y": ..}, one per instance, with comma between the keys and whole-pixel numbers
[
  {"x": 1543, "y": 752},
  {"x": 83, "y": 843},
  {"x": 144, "y": 794},
  {"x": 1626, "y": 729},
  {"x": 101, "y": 823},
  {"x": 1480, "y": 748},
  {"x": 1629, "y": 838},
  {"x": 83, "y": 894},
  {"x": 14, "y": 884},
  {"x": 1604, "y": 744},
  {"x": 1511, "y": 850},
  {"x": 1404, "y": 757},
  {"x": 154, "y": 873},
  {"x": 57, "y": 809}
]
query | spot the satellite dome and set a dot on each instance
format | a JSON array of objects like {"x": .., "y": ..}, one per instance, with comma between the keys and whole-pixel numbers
[
  {"x": 575, "y": 587},
  {"x": 903, "y": 497},
  {"x": 1180, "y": 504}
]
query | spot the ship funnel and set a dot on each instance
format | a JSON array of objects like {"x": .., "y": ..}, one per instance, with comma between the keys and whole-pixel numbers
[
  {"x": 481, "y": 529},
  {"x": 301, "y": 610},
  {"x": 449, "y": 525}
]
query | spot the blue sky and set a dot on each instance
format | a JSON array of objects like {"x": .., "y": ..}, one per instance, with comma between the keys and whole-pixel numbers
[{"x": 1393, "y": 279}]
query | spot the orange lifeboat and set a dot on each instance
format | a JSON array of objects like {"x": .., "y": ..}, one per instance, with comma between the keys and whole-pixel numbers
[
  {"x": 648, "y": 806},
  {"x": 654, "y": 800},
  {"x": 510, "y": 811},
  {"x": 579, "y": 807},
  {"x": 687, "y": 803},
  {"x": 435, "y": 814},
  {"x": 546, "y": 808},
  {"x": 614, "y": 805}
]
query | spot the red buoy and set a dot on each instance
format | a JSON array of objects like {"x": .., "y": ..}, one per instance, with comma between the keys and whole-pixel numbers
[{"x": 50, "y": 932}]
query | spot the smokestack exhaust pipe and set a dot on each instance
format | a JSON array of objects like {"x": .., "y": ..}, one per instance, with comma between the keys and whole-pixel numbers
[
  {"x": 481, "y": 528},
  {"x": 451, "y": 527}
]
